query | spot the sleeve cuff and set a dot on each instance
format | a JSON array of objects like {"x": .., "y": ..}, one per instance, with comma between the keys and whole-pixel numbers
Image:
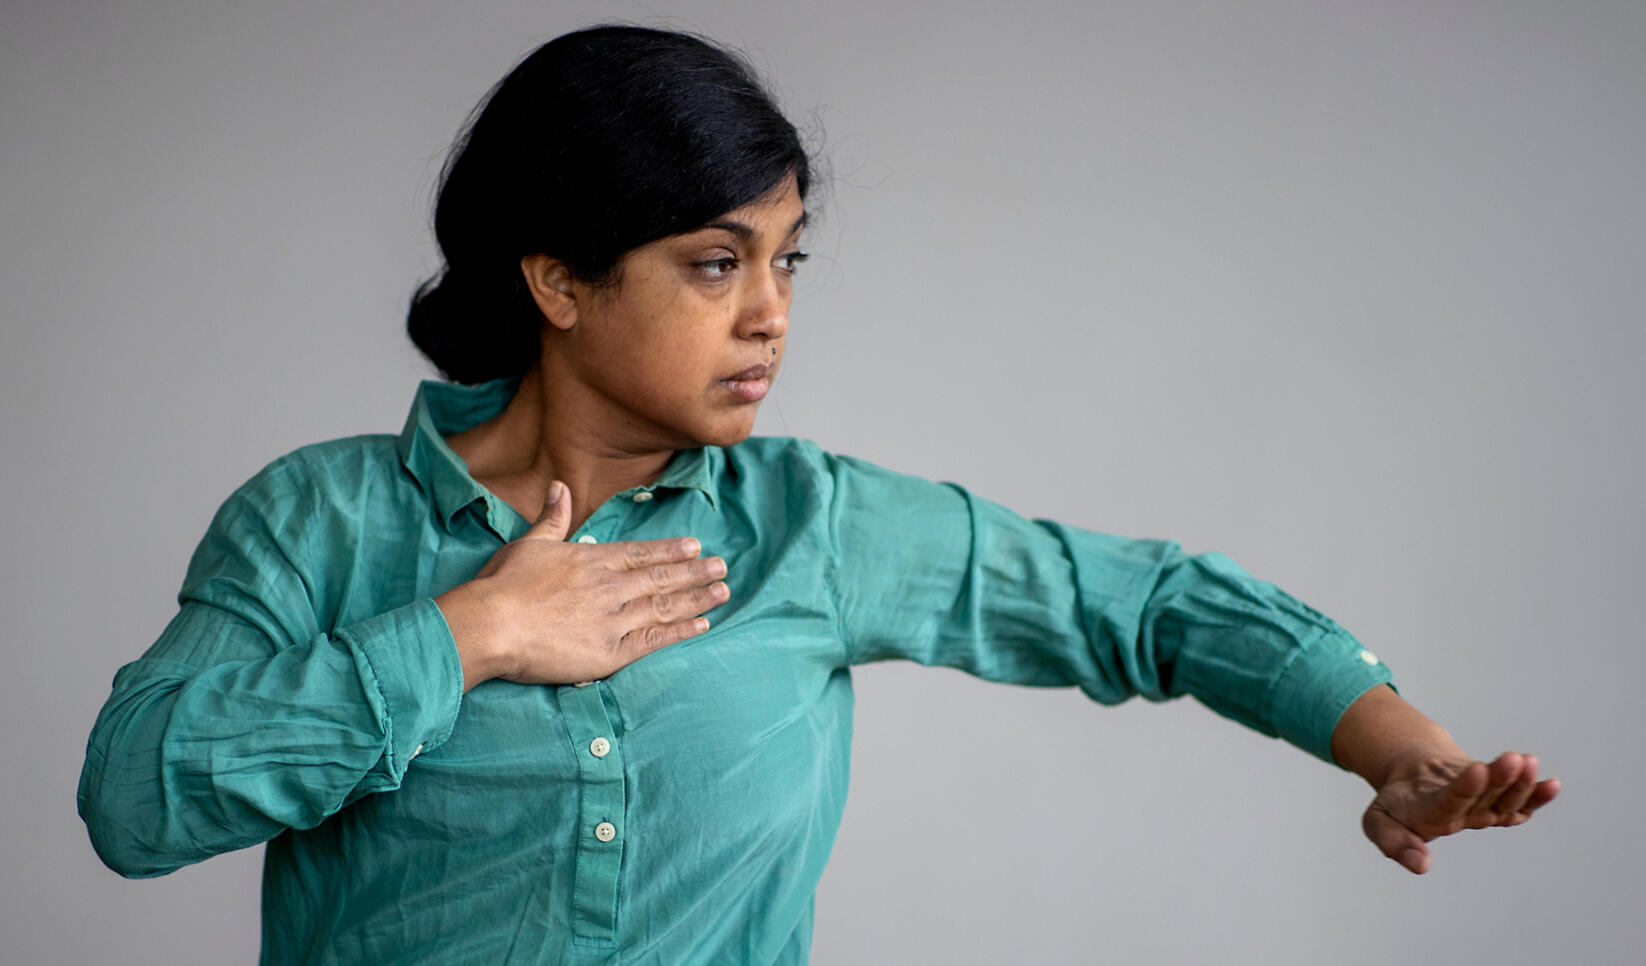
[
  {"x": 414, "y": 681},
  {"x": 1318, "y": 685}
]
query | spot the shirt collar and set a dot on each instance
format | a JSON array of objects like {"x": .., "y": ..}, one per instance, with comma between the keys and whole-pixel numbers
[{"x": 441, "y": 409}]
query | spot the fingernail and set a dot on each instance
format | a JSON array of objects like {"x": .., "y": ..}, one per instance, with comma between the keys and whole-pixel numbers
[
  {"x": 702, "y": 624},
  {"x": 1412, "y": 859},
  {"x": 557, "y": 489}
]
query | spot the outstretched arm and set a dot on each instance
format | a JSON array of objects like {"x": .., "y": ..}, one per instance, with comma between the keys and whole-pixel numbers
[
  {"x": 1426, "y": 785},
  {"x": 934, "y": 573}
]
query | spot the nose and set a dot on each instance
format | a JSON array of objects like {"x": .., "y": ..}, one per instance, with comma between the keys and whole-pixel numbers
[{"x": 766, "y": 314}]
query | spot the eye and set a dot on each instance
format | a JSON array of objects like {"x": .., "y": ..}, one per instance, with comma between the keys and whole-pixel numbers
[
  {"x": 789, "y": 262},
  {"x": 717, "y": 268}
]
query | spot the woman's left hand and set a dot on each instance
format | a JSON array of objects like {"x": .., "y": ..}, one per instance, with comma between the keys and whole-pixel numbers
[{"x": 1430, "y": 797}]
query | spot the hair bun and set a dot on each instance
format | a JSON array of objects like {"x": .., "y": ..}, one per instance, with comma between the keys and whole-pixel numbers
[{"x": 473, "y": 329}]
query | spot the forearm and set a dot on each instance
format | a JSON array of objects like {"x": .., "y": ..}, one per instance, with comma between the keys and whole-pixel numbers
[
  {"x": 189, "y": 761},
  {"x": 1380, "y": 732},
  {"x": 185, "y": 764}
]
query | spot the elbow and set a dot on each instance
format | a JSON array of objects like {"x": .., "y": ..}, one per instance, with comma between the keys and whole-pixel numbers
[
  {"x": 116, "y": 843},
  {"x": 125, "y": 857},
  {"x": 115, "y": 821},
  {"x": 132, "y": 816}
]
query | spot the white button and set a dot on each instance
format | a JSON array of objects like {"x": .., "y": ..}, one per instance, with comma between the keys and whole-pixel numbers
[
  {"x": 1368, "y": 657},
  {"x": 642, "y": 496},
  {"x": 415, "y": 752},
  {"x": 599, "y": 747},
  {"x": 605, "y": 832},
  {"x": 587, "y": 538}
]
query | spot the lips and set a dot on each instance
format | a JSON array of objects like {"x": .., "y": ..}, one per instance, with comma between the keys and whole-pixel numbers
[
  {"x": 753, "y": 372},
  {"x": 751, "y": 384}
]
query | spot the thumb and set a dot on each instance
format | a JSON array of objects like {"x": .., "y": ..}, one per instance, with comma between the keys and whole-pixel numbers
[
  {"x": 1396, "y": 840},
  {"x": 556, "y": 517}
]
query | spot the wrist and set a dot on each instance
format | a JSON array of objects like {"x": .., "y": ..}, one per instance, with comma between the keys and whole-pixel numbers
[
  {"x": 1381, "y": 737},
  {"x": 474, "y": 615}
]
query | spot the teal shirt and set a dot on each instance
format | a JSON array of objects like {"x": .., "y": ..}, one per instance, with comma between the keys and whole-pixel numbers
[{"x": 308, "y": 695}]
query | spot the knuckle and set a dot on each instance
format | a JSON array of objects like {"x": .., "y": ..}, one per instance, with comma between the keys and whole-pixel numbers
[
  {"x": 659, "y": 575},
  {"x": 636, "y": 553},
  {"x": 653, "y": 638}
]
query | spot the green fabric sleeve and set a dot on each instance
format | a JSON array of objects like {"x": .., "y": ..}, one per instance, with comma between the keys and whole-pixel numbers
[
  {"x": 248, "y": 716},
  {"x": 933, "y": 573}
]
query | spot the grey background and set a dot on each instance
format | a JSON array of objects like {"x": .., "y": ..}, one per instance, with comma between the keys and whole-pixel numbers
[{"x": 1351, "y": 292}]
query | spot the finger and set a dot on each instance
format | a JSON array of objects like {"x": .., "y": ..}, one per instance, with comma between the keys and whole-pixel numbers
[
  {"x": 667, "y": 608},
  {"x": 668, "y": 578},
  {"x": 637, "y": 643},
  {"x": 1501, "y": 775},
  {"x": 556, "y": 516},
  {"x": 1448, "y": 811},
  {"x": 635, "y": 554},
  {"x": 1542, "y": 795},
  {"x": 1396, "y": 840},
  {"x": 1513, "y": 799}
]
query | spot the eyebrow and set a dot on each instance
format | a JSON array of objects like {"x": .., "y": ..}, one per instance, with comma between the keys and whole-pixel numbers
[{"x": 745, "y": 231}]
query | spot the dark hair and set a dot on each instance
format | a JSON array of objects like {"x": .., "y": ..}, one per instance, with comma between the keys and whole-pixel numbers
[{"x": 598, "y": 142}]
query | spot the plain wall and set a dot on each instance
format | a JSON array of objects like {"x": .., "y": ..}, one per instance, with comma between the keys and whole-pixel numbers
[{"x": 1350, "y": 292}]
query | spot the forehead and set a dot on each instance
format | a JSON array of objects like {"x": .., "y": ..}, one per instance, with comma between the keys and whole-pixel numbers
[{"x": 780, "y": 212}]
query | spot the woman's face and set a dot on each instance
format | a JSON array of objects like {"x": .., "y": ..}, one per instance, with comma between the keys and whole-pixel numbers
[{"x": 665, "y": 356}]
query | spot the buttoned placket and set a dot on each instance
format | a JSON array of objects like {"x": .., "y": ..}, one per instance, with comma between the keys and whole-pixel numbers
[
  {"x": 602, "y": 818},
  {"x": 602, "y": 822},
  {"x": 613, "y": 515}
]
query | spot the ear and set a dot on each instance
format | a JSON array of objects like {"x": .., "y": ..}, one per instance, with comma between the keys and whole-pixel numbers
[{"x": 552, "y": 288}]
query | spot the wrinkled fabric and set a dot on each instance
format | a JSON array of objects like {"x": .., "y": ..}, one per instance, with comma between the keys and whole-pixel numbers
[{"x": 308, "y": 695}]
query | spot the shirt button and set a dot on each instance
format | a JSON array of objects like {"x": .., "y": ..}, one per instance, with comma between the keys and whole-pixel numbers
[
  {"x": 1368, "y": 657},
  {"x": 605, "y": 832},
  {"x": 415, "y": 752},
  {"x": 599, "y": 747},
  {"x": 642, "y": 496},
  {"x": 587, "y": 538}
]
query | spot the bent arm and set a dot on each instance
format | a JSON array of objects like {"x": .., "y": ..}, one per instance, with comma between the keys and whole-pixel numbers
[{"x": 245, "y": 719}]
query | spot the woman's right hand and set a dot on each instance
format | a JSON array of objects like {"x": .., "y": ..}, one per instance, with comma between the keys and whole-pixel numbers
[{"x": 544, "y": 611}]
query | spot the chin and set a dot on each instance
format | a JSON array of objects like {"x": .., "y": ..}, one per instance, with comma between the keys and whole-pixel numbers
[
  {"x": 727, "y": 435},
  {"x": 728, "y": 439}
]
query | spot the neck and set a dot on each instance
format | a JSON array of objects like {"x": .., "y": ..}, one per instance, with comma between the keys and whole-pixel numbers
[{"x": 548, "y": 432}]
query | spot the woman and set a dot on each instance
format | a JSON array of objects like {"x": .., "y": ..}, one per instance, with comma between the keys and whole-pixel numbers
[{"x": 560, "y": 673}]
